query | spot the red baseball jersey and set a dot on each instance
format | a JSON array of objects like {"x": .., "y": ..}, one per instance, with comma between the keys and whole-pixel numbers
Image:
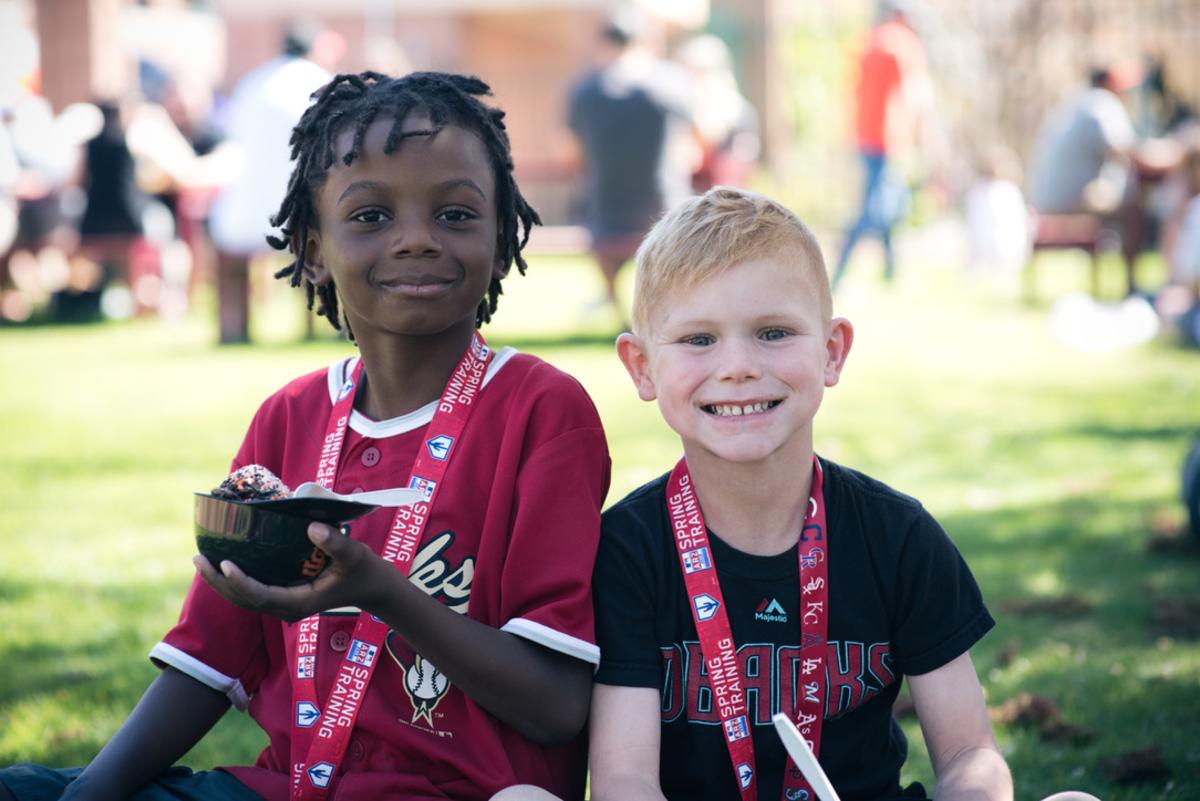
[{"x": 510, "y": 542}]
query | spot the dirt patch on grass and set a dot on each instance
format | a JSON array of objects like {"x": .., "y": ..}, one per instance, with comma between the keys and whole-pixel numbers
[
  {"x": 1178, "y": 618},
  {"x": 1133, "y": 767},
  {"x": 1039, "y": 713},
  {"x": 1059, "y": 606}
]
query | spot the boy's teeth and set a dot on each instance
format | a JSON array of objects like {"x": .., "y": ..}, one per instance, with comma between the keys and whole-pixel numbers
[{"x": 727, "y": 410}]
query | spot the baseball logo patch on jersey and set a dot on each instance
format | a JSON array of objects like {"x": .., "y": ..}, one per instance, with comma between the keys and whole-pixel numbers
[
  {"x": 706, "y": 606},
  {"x": 696, "y": 560},
  {"x": 426, "y": 687}
]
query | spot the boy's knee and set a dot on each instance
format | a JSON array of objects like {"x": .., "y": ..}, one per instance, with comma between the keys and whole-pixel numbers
[{"x": 524, "y": 792}]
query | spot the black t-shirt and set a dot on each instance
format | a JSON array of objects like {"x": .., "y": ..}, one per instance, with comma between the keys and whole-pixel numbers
[
  {"x": 901, "y": 601},
  {"x": 626, "y": 124}
]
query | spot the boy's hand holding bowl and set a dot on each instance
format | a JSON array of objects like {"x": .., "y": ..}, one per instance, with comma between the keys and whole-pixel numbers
[{"x": 264, "y": 547}]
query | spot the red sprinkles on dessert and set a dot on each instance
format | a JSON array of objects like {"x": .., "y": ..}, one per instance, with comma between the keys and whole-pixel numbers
[{"x": 252, "y": 483}]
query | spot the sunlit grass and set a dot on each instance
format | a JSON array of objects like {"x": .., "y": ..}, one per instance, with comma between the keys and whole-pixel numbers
[{"x": 1044, "y": 464}]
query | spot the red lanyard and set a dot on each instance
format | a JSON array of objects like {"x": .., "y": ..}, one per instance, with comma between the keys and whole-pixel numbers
[
  {"x": 716, "y": 640},
  {"x": 319, "y": 736}
]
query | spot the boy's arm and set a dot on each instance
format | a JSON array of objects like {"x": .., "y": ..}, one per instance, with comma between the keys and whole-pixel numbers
[
  {"x": 174, "y": 713},
  {"x": 541, "y": 693},
  {"x": 954, "y": 719},
  {"x": 624, "y": 744}
]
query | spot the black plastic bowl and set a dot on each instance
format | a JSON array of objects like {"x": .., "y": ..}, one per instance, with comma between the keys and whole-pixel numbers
[{"x": 268, "y": 540}]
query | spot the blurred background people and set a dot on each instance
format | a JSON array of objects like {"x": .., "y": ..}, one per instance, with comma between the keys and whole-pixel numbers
[
  {"x": 1082, "y": 152},
  {"x": 632, "y": 117},
  {"x": 996, "y": 216},
  {"x": 726, "y": 121},
  {"x": 891, "y": 102},
  {"x": 262, "y": 110}
]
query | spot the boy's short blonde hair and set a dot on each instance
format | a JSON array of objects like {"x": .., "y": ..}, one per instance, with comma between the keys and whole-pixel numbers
[{"x": 709, "y": 233}]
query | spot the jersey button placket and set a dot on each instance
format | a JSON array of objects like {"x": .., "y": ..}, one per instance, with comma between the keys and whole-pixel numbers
[{"x": 370, "y": 456}]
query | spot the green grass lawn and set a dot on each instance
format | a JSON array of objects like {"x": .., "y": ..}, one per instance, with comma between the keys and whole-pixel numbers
[{"x": 1052, "y": 469}]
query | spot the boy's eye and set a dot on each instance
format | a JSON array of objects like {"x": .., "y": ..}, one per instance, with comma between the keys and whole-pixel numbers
[
  {"x": 457, "y": 215},
  {"x": 699, "y": 340},
  {"x": 774, "y": 334},
  {"x": 369, "y": 216}
]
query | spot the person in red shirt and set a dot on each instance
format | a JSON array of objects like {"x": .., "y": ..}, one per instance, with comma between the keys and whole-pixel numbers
[
  {"x": 447, "y": 650},
  {"x": 889, "y": 99}
]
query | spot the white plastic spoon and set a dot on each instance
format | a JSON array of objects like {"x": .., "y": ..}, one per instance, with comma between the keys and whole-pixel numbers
[
  {"x": 802, "y": 755},
  {"x": 400, "y": 496}
]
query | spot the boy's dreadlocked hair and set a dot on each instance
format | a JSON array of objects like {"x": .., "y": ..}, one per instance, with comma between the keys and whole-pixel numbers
[{"x": 356, "y": 100}]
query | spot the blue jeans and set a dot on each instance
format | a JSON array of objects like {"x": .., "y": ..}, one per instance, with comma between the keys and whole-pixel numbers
[
  {"x": 883, "y": 204},
  {"x": 37, "y": 783}
]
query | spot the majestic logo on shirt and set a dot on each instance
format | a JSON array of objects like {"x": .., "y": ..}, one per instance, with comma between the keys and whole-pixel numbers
[
  {"x": 439, "y": 446},
  {"x": 426, "y": 687},
  {"x": 706, "y": 606},
  {"x": 696, "y": 560},
  {"x": 770, "y": 611},
  {"x": 774, "y": 678},
  {"x": 307, "y": 714}
]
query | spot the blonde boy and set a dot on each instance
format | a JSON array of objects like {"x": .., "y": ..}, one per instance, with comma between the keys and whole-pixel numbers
[{"x": 755, "y": 578}]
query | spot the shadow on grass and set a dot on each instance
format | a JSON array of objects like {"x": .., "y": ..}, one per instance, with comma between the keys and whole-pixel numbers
[
  {"x": 1077, "y": 572},
  {"x": 1096, "y": 702},
  {"x": 1100, "y": 431}
]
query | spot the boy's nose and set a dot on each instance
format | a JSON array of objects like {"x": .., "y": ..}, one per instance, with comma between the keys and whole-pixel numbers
[
  {"x": 738, "y": 361},
  {"x": 414, "y": 238}
]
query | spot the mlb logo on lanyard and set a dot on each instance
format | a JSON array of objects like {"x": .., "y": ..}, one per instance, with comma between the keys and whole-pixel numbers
[
  {"x": 736, "y": 728},
  {"x": 362, "y": 653},
  {"x": 744, "y": 773},
  {"x": 346, "y": 389},
  {"x": 696, "y": 560}
]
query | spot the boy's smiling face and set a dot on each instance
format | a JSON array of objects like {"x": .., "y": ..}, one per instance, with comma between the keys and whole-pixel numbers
[
  {"x": 739, "y": 364},
  {"x": 408, "y": 237}
]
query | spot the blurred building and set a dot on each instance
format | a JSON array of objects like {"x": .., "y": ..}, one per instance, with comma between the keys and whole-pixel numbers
[
  {"x": 998, "y": 67},
  {"x": 530, "y": 51}
]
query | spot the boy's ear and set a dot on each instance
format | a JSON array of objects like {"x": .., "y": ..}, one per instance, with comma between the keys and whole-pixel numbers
[
  {"x": 314, "y": 264},
  {"x": 499, "y": 270},
  {"x": 631, "y": 350},
  {"x": 837, "y": 348}
]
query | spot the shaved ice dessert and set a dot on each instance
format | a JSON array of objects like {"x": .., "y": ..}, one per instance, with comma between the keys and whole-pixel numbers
[{"x": 252, "y": 483}]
